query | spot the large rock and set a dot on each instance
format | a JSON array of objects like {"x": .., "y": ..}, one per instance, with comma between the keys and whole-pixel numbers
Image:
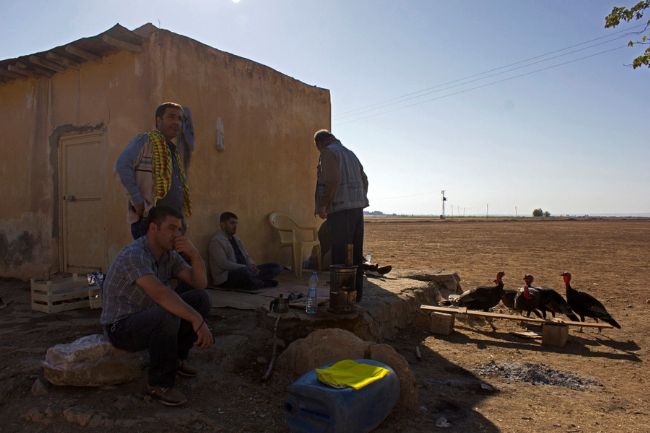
[
  {"x": 445, "y": 285},
  {"x": 408, "y": 389},
  {"x": 91, "y": 361},
  {"x": 321, "y": 347},
  {"x": 326, "y": 346}
]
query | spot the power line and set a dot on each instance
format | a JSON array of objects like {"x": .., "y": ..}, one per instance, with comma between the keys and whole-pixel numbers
[
  {"x": 458, "y": 82},
  {"x": 482, "y": 85},
  {"x": 418, "y": 92},
  {"x": 463, "y": 82}
]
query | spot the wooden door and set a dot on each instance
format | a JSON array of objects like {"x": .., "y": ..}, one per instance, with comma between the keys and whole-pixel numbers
[{"x": 82, "y": 183}]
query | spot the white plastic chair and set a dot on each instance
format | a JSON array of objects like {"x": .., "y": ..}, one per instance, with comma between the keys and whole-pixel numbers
[{"x": 289, "y": 237}]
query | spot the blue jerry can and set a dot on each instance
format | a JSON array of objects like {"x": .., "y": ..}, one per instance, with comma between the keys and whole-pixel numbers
[{"x": 313, "y": 407}]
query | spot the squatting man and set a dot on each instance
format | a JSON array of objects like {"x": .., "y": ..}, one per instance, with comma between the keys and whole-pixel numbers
[{"x": 141, "y": 311}]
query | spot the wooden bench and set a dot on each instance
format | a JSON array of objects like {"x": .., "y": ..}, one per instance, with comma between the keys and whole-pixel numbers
[{"x": 555, "y": 331}]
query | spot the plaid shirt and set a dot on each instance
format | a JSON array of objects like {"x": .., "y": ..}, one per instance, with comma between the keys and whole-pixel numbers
[{"x": 121, "y": 296}]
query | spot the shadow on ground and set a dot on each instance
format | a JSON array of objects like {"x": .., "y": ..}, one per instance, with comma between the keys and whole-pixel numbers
[
  {"x": 229, "y": 395},
  {"x": 577, "y": 344}
]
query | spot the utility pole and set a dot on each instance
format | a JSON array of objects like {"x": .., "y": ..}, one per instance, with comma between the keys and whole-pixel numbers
[
  {"x": 516, "y": 213},
  {"x": 487, "y": 210},
  {"x": 444, "y": 199}
]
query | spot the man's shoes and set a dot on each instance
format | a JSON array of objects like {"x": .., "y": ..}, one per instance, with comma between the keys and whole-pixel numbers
[
  {"x": 186, "y": 370},
  {"x": 367, "y": 267},
  {"x": 166, "y": 396},
  {"x": 383, "y": 270}
]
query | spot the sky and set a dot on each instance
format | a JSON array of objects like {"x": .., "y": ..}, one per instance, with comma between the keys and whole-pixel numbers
[{"x": 507, "y": 105}]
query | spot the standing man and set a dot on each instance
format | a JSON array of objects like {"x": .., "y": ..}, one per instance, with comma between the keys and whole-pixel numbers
[
  {"x": 231, "y": 266},
  {"x": 140, "y": 311},
  {"x": 341, "y": 196},
  {"x": 152, "y": 170}
]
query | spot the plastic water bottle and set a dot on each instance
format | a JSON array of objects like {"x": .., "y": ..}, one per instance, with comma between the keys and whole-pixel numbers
[{"x": 312, "y": 294}]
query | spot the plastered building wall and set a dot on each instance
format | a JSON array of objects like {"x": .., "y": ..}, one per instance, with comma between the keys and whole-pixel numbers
[{"x": 266, "y": 121}]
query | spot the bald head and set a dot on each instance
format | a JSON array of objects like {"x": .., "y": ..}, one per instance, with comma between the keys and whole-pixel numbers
[{"x": 323, "y": 137}]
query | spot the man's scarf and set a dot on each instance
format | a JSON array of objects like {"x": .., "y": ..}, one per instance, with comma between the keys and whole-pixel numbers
[{"x": 162, "y": 170}]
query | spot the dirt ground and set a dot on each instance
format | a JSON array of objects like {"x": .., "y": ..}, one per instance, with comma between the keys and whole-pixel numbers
[{"x": 608, "y": 258}]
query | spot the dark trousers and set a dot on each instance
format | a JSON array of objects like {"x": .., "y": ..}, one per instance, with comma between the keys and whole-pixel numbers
[
  {"x": 246, "y": 279},
  {"x": 346, "y": 227},
  {"x": 139, "y": 228},
  {"x": 168, "y": 337}
]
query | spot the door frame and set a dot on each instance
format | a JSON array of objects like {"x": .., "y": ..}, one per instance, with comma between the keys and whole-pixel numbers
[{"x": 74, "y": 137}]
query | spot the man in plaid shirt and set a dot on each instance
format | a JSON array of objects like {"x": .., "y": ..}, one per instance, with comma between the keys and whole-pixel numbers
[{"x": 140, "y": 311}]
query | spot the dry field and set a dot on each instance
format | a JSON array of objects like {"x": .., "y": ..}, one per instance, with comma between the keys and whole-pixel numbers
[{"x": 608, "y": 258}]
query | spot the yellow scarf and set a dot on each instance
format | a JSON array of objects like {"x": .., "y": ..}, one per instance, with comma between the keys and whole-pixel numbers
[{"x": 162, "y": 170}]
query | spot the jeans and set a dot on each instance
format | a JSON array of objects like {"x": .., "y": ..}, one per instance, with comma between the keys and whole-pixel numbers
[
  {"x": 346, "y": 227},
  {"x": 244, "y": 278},
  {"x": 167, "y": 337}
]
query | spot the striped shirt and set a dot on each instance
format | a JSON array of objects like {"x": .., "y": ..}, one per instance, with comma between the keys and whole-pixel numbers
[{"x": 121, "y": 296}]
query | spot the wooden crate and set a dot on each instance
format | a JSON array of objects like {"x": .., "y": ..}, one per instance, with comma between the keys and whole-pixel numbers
[{"x": 54, "y": 296}]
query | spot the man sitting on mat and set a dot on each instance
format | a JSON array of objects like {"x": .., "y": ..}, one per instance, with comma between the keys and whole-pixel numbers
[{"x": 231, "y": 266}]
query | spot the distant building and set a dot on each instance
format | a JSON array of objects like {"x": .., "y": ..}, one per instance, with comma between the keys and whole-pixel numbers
[{"x": 68, "y": 112}]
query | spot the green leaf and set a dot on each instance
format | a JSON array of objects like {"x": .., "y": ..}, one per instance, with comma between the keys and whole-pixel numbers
[{"x": 634, "y": 13}]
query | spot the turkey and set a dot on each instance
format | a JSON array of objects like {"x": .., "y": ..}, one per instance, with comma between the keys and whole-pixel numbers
[
  {"x": 552, "y": 301},
  {"x": 508, "y": 298},
  {"x": 585, "y": 305},
  {"x": 528, "y": 298},
  {"x": 480, "y": 298}
]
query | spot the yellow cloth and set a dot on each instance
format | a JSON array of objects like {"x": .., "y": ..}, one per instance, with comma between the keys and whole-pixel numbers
[
  {"x": 349, "y": 373},
  {"x": 162, "y": 170}
]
